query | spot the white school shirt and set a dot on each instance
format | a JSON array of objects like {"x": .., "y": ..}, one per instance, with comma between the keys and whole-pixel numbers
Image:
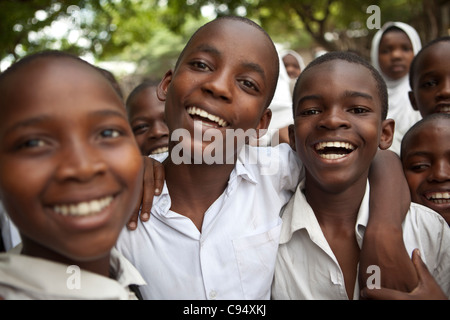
[
  {"x": 24, "y": 277},
  {"x": 306, "y": 267},
  {"x": 234, "y": 255}
]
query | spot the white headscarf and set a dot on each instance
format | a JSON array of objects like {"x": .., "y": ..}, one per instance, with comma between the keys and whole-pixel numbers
[
  {"x": 300, "y": 61},
  {"x": 400, "y": 108}
]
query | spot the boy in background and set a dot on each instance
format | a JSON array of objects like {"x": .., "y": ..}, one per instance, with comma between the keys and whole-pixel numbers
[
  {"x": 429, "y": 78},
  {"x": 425, "y": 156},
  {"x": 146, "y": 116}
]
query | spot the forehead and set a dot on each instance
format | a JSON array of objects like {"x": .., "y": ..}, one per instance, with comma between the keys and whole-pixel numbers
[
  {"x": 237, "y": 41},
  {"x": 342, "y": 74},
  {"x": 49, "y": 84},
  {"x": 50, "y": 76},
  {"x": 435, "y": 57},
  {"x": 394, "y": 37},
  {"x": 432, "y": 137}
]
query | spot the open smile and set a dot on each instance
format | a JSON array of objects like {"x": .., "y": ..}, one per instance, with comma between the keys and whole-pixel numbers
[
  {"x": 438, "y": 197},
  {"x": 332, "y": 150},
  {"x": 84, "y": 208},
  {"x": 443, "y": 108},
  {"x": 160, "y": 150},
  {"x": 206, "y": 118}
]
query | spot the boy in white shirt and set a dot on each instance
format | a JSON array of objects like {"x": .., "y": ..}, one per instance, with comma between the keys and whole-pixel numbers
[
  {"x": 214, "y": 231},
  {"x": 336, "y": 133}
]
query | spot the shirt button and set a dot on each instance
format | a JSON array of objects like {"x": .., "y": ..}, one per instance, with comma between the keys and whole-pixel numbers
[{"x": 212, "y": 294}]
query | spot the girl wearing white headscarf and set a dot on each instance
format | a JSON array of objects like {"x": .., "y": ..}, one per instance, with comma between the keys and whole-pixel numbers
[
  {"x": 396, "y": 77},
  {"x": 294, "y": 64}
]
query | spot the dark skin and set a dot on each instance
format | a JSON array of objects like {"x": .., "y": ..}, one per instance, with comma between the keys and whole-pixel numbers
[
  {"x": 350, "y": 113},
  {"x": 73, "y": 150},
  {"x": 218, "y": 88},
  {"x": 224, "y": 81},
  {"x": 431, "y": 85},
  {"x": 427, "y": 288}
]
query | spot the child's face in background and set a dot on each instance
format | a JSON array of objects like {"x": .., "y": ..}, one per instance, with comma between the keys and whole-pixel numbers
[
  {"x": 292, "y": 66},
  {"x": 426, "y": 164},
  {"x": 222, "y": 81},
  {"x": 70, "y": 169},
  {"x": 395, "y": 54},
  {"x": 431, "y": 83},
  {"x": 338, "y": 127},
  {"x": 146, "y": 116}
]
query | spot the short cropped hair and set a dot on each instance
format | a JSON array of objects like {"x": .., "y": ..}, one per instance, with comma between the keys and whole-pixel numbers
[
  {"x": 412, "y": 68},
  {"x": 417, "y": 126},
  {"x": 250, "y": 23},
  {"x": 352, "y": 58}
]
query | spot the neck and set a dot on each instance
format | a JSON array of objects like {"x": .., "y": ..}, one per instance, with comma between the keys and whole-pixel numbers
[
  {"x": 338, "y": 206},
  {"x": 193, "y": 188},
  {"x": 34, "y": 249}
]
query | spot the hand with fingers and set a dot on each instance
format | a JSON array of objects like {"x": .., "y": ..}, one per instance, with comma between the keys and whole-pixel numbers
[
  {"x": 153, "y": 183},
  {"x": 427, "y": 288}
]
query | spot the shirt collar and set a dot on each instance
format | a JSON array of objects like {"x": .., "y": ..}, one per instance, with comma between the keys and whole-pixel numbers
[
  {"x": 298, "y": 215},
  {"x": 49, "y": 280},
  {"x": 242, "y": 170}
]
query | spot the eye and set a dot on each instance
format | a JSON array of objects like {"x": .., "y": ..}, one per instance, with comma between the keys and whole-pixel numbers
[
  {"x": 309, "y": 112},
  {"x": 140, "y": 128},
  {"x": 200, "y": 65},
  {"x": 249, "y": 84},
  {"x": 110, "y": 133},
  {"x": 429, "y": 84},
  {"x": 32, "y": 143},
  {"x": 419, "y": 167},
  {"x": 358, "y": 110}
]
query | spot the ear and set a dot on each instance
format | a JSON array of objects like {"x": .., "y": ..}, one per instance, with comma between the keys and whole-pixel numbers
[
  {"x": 412, "y": 99},
  {"x": 292, "y": 136},
  {"x": 387, "y": 133},
  {"x": 163, "y": 86},
  {"x": 264, "y": 123}
]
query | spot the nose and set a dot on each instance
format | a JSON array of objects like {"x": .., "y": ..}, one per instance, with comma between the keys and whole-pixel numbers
[
  {"x": 333, "y": 119},
  {"x": 218, "y": 85},
  {"x": 80, "y": 161},
  {"x": 444, "y": 90},
  {"x": 158, "y": 130},
  {"x": 440, "y": 171}
]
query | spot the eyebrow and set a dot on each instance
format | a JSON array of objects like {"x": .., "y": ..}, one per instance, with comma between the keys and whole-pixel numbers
[{"x": 357, "y": 94}]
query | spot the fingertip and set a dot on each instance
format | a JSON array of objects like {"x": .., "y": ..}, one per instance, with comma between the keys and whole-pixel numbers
[
  {"x": 145, "y": 216},
  {"x": 132, "y": 225}
]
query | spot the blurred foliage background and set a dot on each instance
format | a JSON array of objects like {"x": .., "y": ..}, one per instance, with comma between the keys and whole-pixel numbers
[{"x": 137, "y": 39}]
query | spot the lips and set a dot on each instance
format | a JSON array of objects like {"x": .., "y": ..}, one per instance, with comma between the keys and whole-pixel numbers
[
  {"x": 332, "y": 150},
  {"x": 206, "y": 118}
]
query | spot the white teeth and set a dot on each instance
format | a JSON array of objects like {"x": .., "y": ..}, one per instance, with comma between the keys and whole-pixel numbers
[
  {"x": 160, "y": 150},
  {"x": 332, "y": 156},
  {"x": 439, "y": 197},
  {"x": 445, "y": 109},
  {"x": 335, "y": 144},
  {"x": 83, "y": 208},
  {"x": 202, "y": 113}
]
